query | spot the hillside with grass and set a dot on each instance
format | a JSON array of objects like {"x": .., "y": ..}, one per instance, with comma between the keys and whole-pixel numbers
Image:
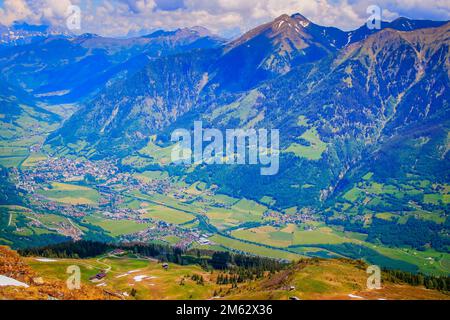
[
  {"x": 36, "y": 285},
  {"x": 131, "y": 276}
]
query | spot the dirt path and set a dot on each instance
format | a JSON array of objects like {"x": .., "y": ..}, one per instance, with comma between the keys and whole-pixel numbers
[
  {"x": 75, "y": 226},
  {"x": 108, "y": 267}
]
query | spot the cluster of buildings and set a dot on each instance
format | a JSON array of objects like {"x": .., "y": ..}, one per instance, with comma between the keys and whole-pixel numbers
[
  {"x": 45, "y": 205},
  {"x": 126, "y": 214},
  {"x": 111, "y": 184},
  {"x": 162, "y": 229},
  {"x": 65, "y": 228},
  {"x": 298, "y": 217},
  {"x": 59, "y": 169}
]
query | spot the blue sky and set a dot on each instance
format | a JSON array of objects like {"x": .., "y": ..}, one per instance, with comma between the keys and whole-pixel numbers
[{"x": 225, "y": 17}]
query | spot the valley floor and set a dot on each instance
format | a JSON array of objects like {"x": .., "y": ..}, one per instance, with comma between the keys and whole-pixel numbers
[{"x": 151, "y": 206}]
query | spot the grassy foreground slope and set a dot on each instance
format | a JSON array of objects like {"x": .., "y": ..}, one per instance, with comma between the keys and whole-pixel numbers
[
  {"x": 134, "y": 277},
  {"x": 331, "y": 279},
  {"x": 40, "y": 286}
]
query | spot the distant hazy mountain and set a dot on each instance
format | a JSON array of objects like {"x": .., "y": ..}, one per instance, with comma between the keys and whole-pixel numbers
[
  {"x": 62, "y": 69},
  {"x": 400, "y": 24},
  {"x": 22, "y": 33},
  {"x": 20, "y": 116}
]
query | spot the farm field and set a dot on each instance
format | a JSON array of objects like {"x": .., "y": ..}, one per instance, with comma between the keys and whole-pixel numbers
[
  {"x": 428, "y": 261},
  {"x": 159, "y": 212},
  {"x": 234, "y": 212},
  {"x": 18, "y": 217},
  {"x": 32, "y": 159},
  {"x": 241, "y": 211},
  {"x": 149, "y": 176},
  {"x": 21, "y": 131},
  {"x": 241, "y": 246},
  {"x": 116, "y": 227},
  {"x": 284, "y": 237},
  {"x": 242, "y": 219},
  {"x": 70, "y": 193}
]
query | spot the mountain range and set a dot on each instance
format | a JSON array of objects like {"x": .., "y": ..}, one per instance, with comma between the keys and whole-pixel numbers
[
  {"x": 363, "y": 115},
  {"x": 20, "y": 33},
  {"x": 356, "y": 95}
]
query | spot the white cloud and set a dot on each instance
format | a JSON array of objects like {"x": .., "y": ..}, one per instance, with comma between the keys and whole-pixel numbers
[
  {"x": 140, "y": 6},
  {"x": 14, "y": 10},
  {"x": 119, "y": 17},
  {"x": 35, "y": 11}
]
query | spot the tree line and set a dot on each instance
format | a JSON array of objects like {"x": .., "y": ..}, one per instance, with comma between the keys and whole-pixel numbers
[
  {"x": 441, "y": 283},
  {"x": 206, "y": 258}
]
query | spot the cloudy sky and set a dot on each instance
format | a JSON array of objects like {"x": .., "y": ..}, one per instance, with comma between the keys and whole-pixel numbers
[{"x": 225, "y": 17}]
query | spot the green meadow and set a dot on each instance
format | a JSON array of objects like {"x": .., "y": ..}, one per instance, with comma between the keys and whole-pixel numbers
[
  {"x": 313, "y": 151},
  {"x": 71, "y": 194},
  {"x": 160, "y": 212},
  {"x": 116, "y": 227},
  {"x": 253, "y": 248}
]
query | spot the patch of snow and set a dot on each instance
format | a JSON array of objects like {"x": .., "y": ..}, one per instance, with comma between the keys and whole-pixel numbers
[
  {"x": 304, "y": 23},
  {"x": 7, "y": 281},
  {"x": 139, "y": 278},
  {"x": 355, "y": 297},
  {"x": 133, "y": 271},
  {"x": 52, "y": 94},
  {"x": 142, "y": 277},
  {"x": 409, "y": 25},
  {"x": 111, "y": 118},
  {"x": 349, "y": 38},
  {"x": 45, "y": 260}
]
